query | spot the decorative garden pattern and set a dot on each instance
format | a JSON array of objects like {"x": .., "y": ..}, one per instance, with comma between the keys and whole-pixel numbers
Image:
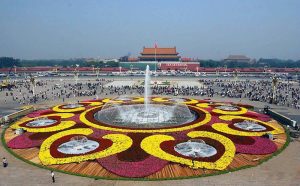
[{"x": 219, "y": 137}]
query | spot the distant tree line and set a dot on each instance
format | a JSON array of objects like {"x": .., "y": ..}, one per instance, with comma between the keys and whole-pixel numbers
[
  {"x": 102, "y": 64},
  {"x": 54, "y": 62},
  {"x": 269, "y": 63},
  {"x": 6, "y": 62}
]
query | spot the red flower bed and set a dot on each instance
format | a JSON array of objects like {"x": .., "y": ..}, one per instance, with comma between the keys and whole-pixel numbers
[
  {"x": 260, "y": 146},
  {"x": 247, "y": 144},
  {"x": 97, "y": 133},
  {"x": 258, "y": 116},
  {"x": 23, "y": 142},
  {"x": 40, "y": 113},
  {"x": 135, "y": 153},
  {"x": 137, "y": 169}
]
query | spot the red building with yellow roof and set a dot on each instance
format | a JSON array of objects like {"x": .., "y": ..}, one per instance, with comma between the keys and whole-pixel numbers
[{"x": 159, "y": 54}]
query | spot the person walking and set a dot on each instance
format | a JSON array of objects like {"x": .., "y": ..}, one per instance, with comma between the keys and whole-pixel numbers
[
  {"x": 4, "y": 162},
  {"x": 52, "y": 176}
]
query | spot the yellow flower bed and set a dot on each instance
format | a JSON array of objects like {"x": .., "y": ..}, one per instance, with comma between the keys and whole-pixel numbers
[
  {"x": 93, "y": 103},
  {"x": 151, "y": 145},
  {"x": 223, "y": 127},
  {"x": 203, "y": 105},
  {"x": 160, "y": 99},
  {"x": 192, "y": 101},
  {"x": 138, "y": 99},
  {"x": 87, "y": 122},
  {"x": 120, "y": 143}
]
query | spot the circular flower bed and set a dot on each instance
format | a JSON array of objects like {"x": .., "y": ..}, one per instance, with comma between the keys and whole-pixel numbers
[{"x": 222, "y": 137}]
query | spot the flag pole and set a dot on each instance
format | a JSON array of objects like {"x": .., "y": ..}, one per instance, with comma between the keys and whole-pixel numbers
[{"x": 155, "y": 46}]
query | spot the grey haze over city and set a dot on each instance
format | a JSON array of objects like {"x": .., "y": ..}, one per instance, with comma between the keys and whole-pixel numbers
[{"x": 208, "y": 29}]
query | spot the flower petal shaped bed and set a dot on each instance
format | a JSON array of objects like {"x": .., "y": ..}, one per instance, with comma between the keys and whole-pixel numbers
[{"x": 217, "y": 138}]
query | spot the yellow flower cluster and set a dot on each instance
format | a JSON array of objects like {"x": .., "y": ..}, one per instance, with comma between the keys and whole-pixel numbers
[
  {"x": 223, "y": 127},
  {"x": 91, "y": 124},
  {"x": 121, "y": 143},
  {"x": 151, "y": 145},
  {"x": 203, "y": 105},
  {"x": 160, "y": 99},
  {"x": 93, "y": 103},
  {"x": 63, "y": 124},
  {"x": 192, "y": 101}
]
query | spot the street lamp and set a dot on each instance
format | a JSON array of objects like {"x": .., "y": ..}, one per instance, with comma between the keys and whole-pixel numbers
[
  {"x": 97, "y": 72},
  {"x": 131, "y": 67},
  {"x": 32, "y": 80},
  {"x": 76, "y": 74},
  {"x": 274, "y": 85},
  {"x": 235, "y": 74}
]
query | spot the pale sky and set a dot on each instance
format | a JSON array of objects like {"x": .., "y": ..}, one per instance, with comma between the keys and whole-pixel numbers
[{"x": 207, "y": 29}]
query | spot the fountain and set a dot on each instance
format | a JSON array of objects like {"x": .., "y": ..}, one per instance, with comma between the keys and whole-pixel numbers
[
  {"x": 147, "y": 114},
  {"x": 147, "y": 88}
]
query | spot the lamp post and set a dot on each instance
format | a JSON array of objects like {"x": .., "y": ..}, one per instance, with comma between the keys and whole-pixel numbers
[
  {"x": 97, "y": 72},
  {"x": 32, "y": 81},
  {"x": 217, "y": 71},
  {"x": 76, "y": 73},
  {"x": 235, "y": 74},
  {"x": 274, "y": 85},
  {"x": 131, "y": 67}
]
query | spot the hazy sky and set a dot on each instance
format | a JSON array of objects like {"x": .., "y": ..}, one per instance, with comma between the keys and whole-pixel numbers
[{"x": 35, "y": 29}]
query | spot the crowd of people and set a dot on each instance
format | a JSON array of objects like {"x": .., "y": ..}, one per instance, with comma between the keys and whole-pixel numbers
[{"x": 284, "y": 94}]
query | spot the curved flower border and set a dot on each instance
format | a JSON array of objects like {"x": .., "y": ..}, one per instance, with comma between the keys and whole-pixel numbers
[{"x": 91, "y": 124}]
